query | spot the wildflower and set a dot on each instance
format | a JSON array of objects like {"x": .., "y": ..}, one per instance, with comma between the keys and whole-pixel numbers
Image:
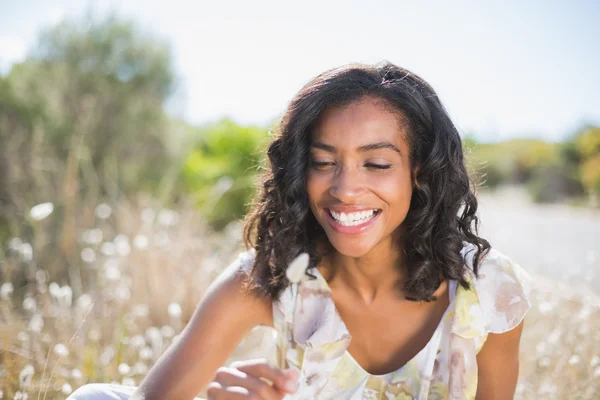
[
  {"x": 61, "y": 350},
  {"x": 29, "y": 304},
  {"x": 108, "y": 249},
  {"x": 174, "y": 310},
  {"x": 15, "y": 244},
  {"x": 167, "y": 331},
  {"x": 128, "y": 382},
  {"x": 295, "y": 273},
  {"x": 122, "y": 245},
  {"x": 26, "y": 252},
  {"x": 26, "y": 376},
  {"x": 168, "y": 217},
  {"x": 103, "y": 211},
  {"x": 84, "y": 301},
  {"x": 93, "y": 236},
  {"x": 146, "y": 353},
  {"x": 6, "y": 290},
  {"x": 36, "y": 324},
  {"x": 574, "y": 359},
  {"x": 41, "y": 211},
  {"x": 66, "y": 389},
  {"x": 76, "y": 374},
  {"x": 140, "y": 241},
  {"x": 88, "y": 255},
  {"x": 124, "y": 369},
  {"x": 140, "y": 368}
]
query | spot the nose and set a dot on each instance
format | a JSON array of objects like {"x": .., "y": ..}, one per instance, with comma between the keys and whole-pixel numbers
[{"x": 347, "y": 185}]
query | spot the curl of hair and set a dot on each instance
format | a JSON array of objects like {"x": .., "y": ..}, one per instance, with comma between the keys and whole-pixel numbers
[{"x": 442, "y": 214}]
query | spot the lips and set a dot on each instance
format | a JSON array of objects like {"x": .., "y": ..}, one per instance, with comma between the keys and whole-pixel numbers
[{"x": 354, "y": 229}]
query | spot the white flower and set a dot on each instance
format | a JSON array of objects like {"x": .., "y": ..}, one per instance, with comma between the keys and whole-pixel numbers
[
  {"x": 66, "y": 389},
  {"x": 296, "y": 270},
  {"x": 6, "y": 290},
  {"x": 124, "y": 369},
  {"x": 140, "y": 241},
  {"x": 174, "y": 310},
  {"x": 61, "y": 350},
  {"x": 103, "y": 211},
  {"x": 41, "y": 211},
  {"x": 36, "y": 324},
  {"x": 93, "y": 236},
  {"x": 25, "y": 376},
  {"x": 168, "y": 217},
  {"x": 26, "y": 253},
  {"x": 88, "y": 255},
  {"x": 29, "y": 304}
]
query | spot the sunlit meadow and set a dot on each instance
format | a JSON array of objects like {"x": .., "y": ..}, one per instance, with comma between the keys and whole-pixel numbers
[{"x": 142, "y": 270}]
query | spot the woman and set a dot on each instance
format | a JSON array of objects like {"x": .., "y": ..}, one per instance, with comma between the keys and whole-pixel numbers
[{"x": 403, "y": 300}]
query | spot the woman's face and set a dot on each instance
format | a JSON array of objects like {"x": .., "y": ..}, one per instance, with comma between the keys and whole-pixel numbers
[{"x": 359, "y": 178}]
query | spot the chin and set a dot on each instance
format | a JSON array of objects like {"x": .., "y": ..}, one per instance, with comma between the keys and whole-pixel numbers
[{"x": 350, "y": 248}]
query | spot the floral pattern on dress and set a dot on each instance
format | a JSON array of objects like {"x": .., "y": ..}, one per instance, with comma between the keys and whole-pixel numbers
[{"x": 446, "y": 368}]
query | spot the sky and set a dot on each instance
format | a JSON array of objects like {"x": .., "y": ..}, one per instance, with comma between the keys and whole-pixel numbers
[{"x": 503, "y": 69}]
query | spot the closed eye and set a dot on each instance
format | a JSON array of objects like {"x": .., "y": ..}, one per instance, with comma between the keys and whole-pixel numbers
[
  {"x": 319, "y": 164},
  {"x": 378, "y": 166}
]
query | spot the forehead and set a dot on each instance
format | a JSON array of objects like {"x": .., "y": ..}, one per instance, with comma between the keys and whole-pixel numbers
[{"x": 361, "y": 122}]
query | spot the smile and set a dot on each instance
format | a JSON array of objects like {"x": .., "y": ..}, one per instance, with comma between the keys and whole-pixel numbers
[{"x": 352, "y": 223}]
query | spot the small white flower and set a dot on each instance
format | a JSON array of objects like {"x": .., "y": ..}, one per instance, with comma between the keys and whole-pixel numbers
[
  {"x": 140, "y": 368},
  {"x": 66, "y": 389},
  {"x": 36, "y": 324},
  {"x": 76, "y": 374},
  {"x": 168, "y": 217},
  {"x": 146, "y": 353},
  {"x": 26, "y": 252},
  {"x": 174, "y": 310},
  {"x": 15, "y": 244},
  {"x": 140, "y": 241},
  {"x": 26, "y": 376},
  {"x": 167, "y": 331},
  {"x": 84, "y": 301},
  {"x": 122, "y": 245},
  {"x": 93, "y": 236},
  {"x": 296, "y": 271},
  {"x": 108, "y": 249},
  {"x": 61, "y": 350},
  {"x": 29, "y": 304},
  {"x": 574, "y": 359},
  {"x": 103, "y": 211},
  {"x": 41, "y": 211},
  {"x": 6, "y": 290},
  {"x": 128, "y": 382},
  {"x": 124, "y": 369}
]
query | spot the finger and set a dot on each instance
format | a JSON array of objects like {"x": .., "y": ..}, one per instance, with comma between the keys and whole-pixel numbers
[
  {"x": 216, "y": 391},
  {"x": 263, "y": 368},
  {"x": 232, "y": 377}
]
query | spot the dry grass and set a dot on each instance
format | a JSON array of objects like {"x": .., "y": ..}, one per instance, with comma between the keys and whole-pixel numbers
[{"x": 142, "y": 272}]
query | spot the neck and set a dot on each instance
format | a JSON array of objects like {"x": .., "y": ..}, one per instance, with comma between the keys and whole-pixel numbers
[{"x": 379, "y": 273}]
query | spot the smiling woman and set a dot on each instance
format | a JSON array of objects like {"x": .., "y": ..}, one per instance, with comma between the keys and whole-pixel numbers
[{"x": 402, "y": 299}]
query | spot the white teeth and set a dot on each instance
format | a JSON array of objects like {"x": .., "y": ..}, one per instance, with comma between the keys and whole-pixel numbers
[{"x": 351, "y": 219}]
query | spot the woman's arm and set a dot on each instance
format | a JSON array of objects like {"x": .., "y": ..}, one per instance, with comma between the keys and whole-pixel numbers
[
  {"x": 221, "y": 320},
  {"x": 498, "y": 365}
]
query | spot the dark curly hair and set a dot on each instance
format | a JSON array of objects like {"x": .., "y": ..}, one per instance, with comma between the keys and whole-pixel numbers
[{"x": 441, "y": 218}]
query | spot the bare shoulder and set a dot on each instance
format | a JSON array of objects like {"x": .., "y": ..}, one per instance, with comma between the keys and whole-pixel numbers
[{"x": 224, "y": 316}]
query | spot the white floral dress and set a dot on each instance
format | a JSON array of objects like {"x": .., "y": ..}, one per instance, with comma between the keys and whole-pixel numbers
[{"x": 446, "y": 368}]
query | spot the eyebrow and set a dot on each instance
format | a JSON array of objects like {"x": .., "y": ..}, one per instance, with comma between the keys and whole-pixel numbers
[{"x": 367, "y": 147}]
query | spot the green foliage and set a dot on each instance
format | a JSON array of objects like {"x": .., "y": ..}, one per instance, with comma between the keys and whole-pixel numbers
[{"x": 221, "y": 169}]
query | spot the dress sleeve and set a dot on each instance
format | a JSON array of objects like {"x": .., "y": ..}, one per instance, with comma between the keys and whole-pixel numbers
[{"x": 503, "y": 289}]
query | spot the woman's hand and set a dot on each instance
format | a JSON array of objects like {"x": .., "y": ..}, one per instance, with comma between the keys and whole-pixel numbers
[{"x": 247, "y": 380}]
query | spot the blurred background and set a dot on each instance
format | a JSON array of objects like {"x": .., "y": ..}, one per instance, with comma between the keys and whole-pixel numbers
[{"x": 132, "y": 134}]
